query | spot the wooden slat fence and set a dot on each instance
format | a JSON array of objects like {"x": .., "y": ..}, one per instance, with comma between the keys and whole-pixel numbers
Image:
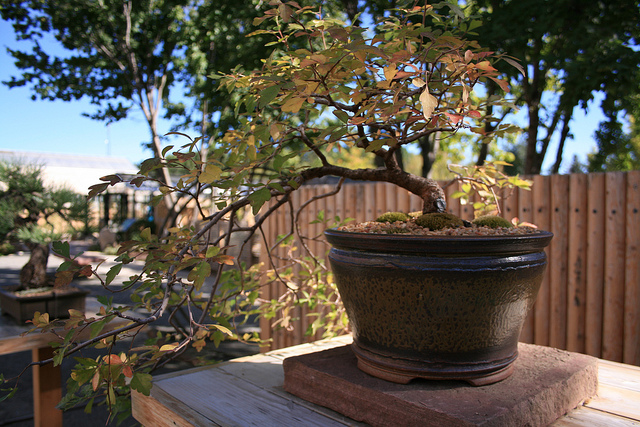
[{"x": 589, "y": 301}]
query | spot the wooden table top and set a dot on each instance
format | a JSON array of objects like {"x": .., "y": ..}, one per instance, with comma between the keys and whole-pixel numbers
[
  {"x": 14, "y": 337},
  {"x": 248, "y": 391}
]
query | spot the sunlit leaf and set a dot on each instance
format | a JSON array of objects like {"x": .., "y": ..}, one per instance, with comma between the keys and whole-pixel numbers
[
  {"x": 211, "y": 173},
  {"x": 428, "y": 102}
]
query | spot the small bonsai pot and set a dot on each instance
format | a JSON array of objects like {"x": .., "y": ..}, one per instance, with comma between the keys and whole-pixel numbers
[
  {"x": 437, "y": 307},
  {"x": 56, "y": 302}
]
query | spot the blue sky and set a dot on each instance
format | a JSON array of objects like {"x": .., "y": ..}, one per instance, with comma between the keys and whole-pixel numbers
[{"x": 59, "y": 127}]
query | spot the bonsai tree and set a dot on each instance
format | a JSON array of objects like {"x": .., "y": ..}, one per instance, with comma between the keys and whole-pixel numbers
[
  {"x": 327, "y": 87},
  {"x": 33, "y": 214}
]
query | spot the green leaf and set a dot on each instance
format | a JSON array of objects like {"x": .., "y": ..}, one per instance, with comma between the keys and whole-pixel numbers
[
  {"x": 149, "y": 165},
  {"x": 259, "y": 198},
  {"x": 96, "y": 328},
  {"x": 113, "y": 272},
  {"x": 212, "y": 251},
  {"x": 341, "y": 115},
  {"x": 146, "y": 234},
  {"x": 141, "y": 383},
  {"x": 58, "y": 357},
  {"x": 267, "y": 95},
  {"x": 166, "y": 149},
  {"x": 62, "y": 248},
  {"x": 199, "y": 273}
]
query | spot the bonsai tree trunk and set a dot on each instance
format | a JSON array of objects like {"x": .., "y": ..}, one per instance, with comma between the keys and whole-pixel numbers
[{"x": 34, "y": 273}]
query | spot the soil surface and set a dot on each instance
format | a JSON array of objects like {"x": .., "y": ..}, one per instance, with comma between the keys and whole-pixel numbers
[{"x": 410, "y": 227}]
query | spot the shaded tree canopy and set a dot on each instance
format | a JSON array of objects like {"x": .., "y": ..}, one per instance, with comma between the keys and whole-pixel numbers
[
  {"x": 136, "y": 54},
  {"x": 569, "y": 49},
  {"x": 119, "y": 55}
]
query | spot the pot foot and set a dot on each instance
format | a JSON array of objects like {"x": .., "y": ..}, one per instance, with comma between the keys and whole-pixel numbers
[{"x": 393, "y": 370}]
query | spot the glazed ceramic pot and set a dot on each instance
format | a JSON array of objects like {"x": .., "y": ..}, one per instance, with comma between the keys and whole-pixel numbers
[{"x": 437, "y": 307}]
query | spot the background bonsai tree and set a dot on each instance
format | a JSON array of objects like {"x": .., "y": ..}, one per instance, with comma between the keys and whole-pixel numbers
[
  {"x": 327, "y": 87},
  {"x": 34, "y": 215}
]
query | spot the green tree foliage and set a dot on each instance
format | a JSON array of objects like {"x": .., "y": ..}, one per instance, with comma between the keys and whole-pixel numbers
[
  {"x": 569, "y": 50},
  {"x": 119, "y": 55},
  {"x": 216, "y": 42},
  {"x": 617, "y": 150}
]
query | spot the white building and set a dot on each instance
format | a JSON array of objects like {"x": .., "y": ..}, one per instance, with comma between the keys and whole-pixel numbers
[{"x": 78, "y": 173}]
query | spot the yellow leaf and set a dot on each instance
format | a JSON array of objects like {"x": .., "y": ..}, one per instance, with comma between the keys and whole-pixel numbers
[
  {"x": 211, "y": 173},
  {"x": 418, "y": 82},
  {"x": 274, "y": 130},
  {"x": 223, "y": 329},
  {"x": 252, "y": 152},
  {"x": 428, "y": 102},
  {"x": 390, "y": 72},
  {"x": 169, "y": 347},
  {"x": 293, "y": 105}
]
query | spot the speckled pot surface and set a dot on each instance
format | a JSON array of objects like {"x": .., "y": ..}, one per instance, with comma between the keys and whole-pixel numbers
[{"x": 437, "y": 307}]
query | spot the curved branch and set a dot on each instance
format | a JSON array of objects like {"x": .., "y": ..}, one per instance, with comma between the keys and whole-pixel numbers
[{"x": 426, "y": 188}]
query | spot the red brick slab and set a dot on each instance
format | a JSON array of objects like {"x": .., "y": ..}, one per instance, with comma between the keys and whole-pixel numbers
[{"x": 546, "y": 384}]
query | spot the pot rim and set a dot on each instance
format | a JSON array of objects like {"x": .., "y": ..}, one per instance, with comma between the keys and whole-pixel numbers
[{"x": 439, "y": 244}]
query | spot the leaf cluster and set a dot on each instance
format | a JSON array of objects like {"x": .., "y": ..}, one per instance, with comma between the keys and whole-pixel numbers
[{"x": 484, "y": 186}]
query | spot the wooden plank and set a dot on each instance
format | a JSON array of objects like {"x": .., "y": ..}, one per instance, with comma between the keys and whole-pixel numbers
[
  {"x": 588, "y": 417},
  {"x": 298, "y": 312},
  {"x": 361, "y": 209},
  {"x": 453, "y": 204},
  {"x": 525, "y": 208},
  {"x": 281, "y": 338},
  {"x": 17, "y": 342},
  {"x": 380, "y": 206},
  {"x": 631, "y": 348},
  {"x": 576, "y": 284},
  {"x": 221, "y": 403},
  {"x": 266, "y": 288},
  {"x": 618, "y": 401},
  {"x": 415, "y": 203},
  {"x": 154, "y": 410},
  {"x": 47, "y": 390},
  {"x": 391, "y": 197},
  {"x": 322, "y": 245},
  {"x": 264, "y": 371},
  {"x": 614, "y": 264},
  {"x": 542, "y": 218},
  {"x": 305, "y": 219},
  {"x": 350, "y": 201},
  {"x": 403, "y": 202},
  {"x": 369, "y": 202},
  {"x": 619, "y": 375},
  {"x": 558, "y": 264},
  {"x": 595, "y": 264}
]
